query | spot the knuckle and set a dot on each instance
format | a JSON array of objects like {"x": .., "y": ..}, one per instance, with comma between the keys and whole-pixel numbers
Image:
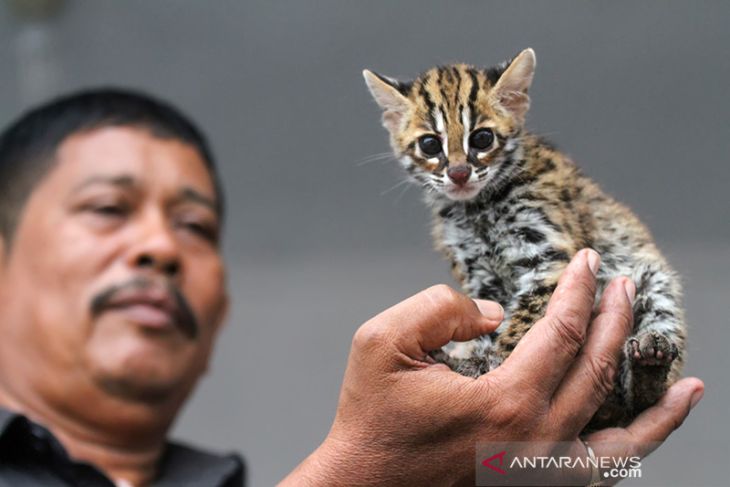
[
  {"x": 572, "y": 317},
  {"x": 567, "y": 326},
  {"x": 519, "y": 415},
  {"x": 369, "y": 335},
  {"x": 677, "y": 422},
  {"x": 601, "y": 370},
  {"x": 442, "y": 295},
  {"x": 513, "y": 410}
]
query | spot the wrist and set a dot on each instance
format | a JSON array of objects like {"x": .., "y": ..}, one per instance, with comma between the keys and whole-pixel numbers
[{"x": 335, "y": 463}]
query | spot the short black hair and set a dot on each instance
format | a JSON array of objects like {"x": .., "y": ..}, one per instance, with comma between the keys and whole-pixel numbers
[{"x": 28, "y": 145}]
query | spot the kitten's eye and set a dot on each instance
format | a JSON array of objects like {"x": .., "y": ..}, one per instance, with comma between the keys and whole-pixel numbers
[
  {"x": 481, "y": 139},
  {"x": 430, "y": 145}
]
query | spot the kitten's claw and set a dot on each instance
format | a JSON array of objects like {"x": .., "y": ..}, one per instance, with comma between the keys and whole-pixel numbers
[{"x": 651, "y": 348}]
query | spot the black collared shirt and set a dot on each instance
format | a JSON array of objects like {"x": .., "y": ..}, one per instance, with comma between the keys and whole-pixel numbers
[{"x": 31, "y": 456}]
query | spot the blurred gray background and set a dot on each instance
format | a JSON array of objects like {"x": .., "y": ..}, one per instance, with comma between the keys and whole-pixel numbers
[{"x": 317, "y": 242}]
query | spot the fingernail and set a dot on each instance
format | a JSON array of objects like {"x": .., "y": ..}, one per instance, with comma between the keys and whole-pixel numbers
[
  {"x": 696, "y": 398},
  {"x": 630, "y": 289},
  {"x": 490, "y": 309},
  {"x": 594, "y": 261}
]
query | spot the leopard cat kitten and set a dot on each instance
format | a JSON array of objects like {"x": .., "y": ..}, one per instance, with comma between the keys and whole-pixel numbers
[{"x": 510, "y": 211}]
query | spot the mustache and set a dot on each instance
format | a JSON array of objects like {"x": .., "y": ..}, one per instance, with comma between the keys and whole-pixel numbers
[{"x": 184, "y": 317}]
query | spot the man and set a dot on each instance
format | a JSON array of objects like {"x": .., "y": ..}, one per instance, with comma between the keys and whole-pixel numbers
[{"x": 112, "y": 291}]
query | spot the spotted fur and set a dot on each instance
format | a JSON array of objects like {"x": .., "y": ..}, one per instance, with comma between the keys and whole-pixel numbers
[{"x": 510, "y": 229}]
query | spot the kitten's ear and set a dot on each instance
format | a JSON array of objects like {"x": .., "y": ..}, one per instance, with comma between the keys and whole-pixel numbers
[
  {"x": 511, "y": 89},
  {"x": 386, "y": 94}
]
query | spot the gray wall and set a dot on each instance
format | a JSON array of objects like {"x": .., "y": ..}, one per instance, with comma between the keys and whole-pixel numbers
[{"x": 636, "y": 92}]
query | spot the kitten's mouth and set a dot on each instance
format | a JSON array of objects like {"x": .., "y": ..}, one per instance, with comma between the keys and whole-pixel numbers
[{"x": 461, "y": 193}]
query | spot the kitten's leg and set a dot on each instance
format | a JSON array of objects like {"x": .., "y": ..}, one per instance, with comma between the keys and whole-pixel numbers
[
  {"x": 475, "y": 357},
  {"x": 472, "y": 366},
  {"x": 535, "y": 282},
  {"x": 473, "y": 361},
  {"x": 525, "y": 309},
  {"x": 655, "y": 351},
  {"x": 536, "y": 279}
]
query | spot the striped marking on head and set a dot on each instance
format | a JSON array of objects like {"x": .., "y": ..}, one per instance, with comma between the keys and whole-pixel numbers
[
  {"x": 466, "y": 123},
  {"x": 441, "y": 130}
]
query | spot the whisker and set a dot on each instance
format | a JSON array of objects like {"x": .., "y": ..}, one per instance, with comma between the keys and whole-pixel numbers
[
  {"x": 383, "y": 156},
  {"x": 400, "y": 195},
  {"x": 397, "y": 185}
]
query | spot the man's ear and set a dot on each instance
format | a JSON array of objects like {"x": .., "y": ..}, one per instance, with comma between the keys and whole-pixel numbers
[
  {"x": 385, "y": 92},
  {"x": 510, "y": 92}
]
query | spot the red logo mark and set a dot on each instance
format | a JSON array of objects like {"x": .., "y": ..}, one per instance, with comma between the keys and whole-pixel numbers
[{"x": 488, "y": 462}]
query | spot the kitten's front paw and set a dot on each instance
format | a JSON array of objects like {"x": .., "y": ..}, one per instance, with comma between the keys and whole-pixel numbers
[{"x": 651, "y": 348}]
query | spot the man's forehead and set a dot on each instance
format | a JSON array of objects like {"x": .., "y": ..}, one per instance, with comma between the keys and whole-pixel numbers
[{"x": 133, "y": 157}]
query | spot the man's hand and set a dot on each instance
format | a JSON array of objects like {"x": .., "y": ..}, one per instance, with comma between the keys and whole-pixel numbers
[{"x": 403, "y": 419}]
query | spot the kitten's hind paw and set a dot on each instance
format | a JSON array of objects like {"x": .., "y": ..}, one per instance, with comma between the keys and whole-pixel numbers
[{"x": 651, "y": 348}]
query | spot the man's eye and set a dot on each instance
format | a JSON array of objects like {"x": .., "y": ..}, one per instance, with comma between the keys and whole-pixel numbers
[
  {"x": 109, "y": 210},
  {"x": 430, "y": 145},
  {"x": 481, "y": 139},
  {"x": 202, "y": 230}
]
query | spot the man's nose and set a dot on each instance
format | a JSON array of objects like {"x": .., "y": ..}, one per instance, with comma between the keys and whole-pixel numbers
[
  {"x": 459, "y": 174},
  {"x": 156, "y": 248}
]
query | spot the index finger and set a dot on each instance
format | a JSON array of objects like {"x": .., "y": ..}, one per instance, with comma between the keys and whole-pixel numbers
[
  {"x": 554, "y": 341},
  {"x": 591, "y": 377}
]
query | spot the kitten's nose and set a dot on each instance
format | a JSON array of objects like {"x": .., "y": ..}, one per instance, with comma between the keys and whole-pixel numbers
[{"x": 459, "y": 174}]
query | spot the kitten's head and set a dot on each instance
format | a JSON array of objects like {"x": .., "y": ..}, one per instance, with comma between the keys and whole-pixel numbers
[{"x": 454, "y": 127}]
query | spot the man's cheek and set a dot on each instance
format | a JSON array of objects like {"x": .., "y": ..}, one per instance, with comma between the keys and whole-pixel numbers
[
  {"x": 210, "y": 306},
  {"x": 62, "y": 328}
]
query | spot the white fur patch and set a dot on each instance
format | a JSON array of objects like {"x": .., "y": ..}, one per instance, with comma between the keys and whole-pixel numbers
[
  {"x": 465, "y": 116},
  {"x": 441, "y": 128}
]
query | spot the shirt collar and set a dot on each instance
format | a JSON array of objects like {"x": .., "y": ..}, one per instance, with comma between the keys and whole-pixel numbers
[
  {"x": 6, "y": 417},
  {"x": 180, "y": 464}
]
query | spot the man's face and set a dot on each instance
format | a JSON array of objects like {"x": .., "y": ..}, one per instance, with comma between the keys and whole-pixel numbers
[{"x": 115, "y": 279}]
